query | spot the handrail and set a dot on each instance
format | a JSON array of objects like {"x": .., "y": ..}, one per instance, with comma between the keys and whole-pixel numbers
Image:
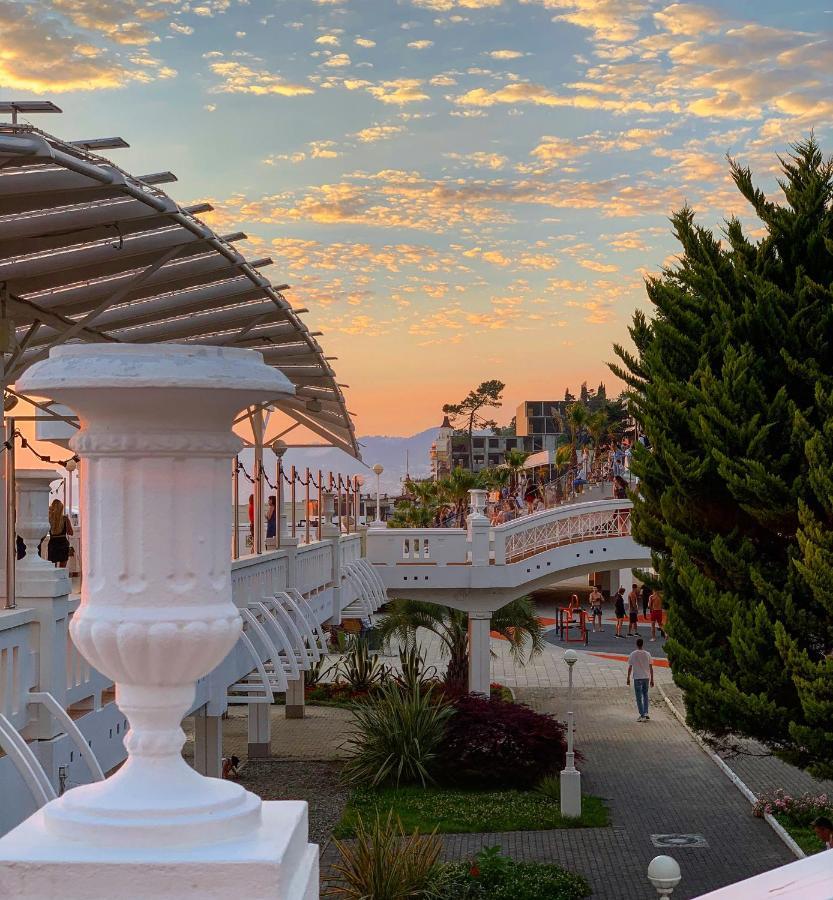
[{"x": 566, "y": 525}]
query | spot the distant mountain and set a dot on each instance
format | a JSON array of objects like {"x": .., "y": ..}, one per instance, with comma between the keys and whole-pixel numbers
[
  {"x": 392, "y": 453},
  {"x": 389, "y": 451}
]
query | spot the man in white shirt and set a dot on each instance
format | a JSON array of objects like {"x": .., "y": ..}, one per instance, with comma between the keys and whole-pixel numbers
[{"x": 641, "y": 666}]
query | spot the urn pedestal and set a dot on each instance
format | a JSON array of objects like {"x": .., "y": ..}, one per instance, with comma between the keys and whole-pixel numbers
[{"x": 156, "y": 615}]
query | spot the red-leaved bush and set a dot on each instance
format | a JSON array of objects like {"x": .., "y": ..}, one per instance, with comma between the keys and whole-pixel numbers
[{"x": 499, "y": 744}]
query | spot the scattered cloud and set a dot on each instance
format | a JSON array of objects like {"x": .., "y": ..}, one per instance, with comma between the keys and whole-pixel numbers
[{"x": 237, "y": 78}]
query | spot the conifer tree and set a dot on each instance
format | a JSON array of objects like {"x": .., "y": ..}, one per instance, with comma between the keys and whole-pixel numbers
[{"x": 732, "y": 381}]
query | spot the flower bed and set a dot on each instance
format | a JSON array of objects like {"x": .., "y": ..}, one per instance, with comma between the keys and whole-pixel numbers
[{"x": 796, "y": 814}]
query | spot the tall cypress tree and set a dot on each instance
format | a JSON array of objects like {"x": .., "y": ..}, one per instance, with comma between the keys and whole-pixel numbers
[{"x": 732, "y": 381}]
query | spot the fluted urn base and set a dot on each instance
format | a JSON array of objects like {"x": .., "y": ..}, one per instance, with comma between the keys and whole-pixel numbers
[
  {"x": 181, "y": 809},
  {"x": 273, "y": 862}
]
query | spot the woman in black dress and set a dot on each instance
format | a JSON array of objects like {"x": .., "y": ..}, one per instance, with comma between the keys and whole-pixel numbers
[{"x": 60, "y": 528}]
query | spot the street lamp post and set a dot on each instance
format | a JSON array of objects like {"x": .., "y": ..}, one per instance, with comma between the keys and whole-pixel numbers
[
  {"x": 378, "y": 469},
  {"x": 570, "y": 776},
  {"x": 279, "y": 447}
]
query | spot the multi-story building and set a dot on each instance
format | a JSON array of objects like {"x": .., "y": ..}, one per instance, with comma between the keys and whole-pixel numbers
[
  {"x": 451, "y": 451},
  {"x": 539, "y": 417}
]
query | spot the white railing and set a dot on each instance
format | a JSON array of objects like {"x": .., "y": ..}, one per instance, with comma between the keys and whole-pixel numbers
[
  {"x": 18, "y": 643},
  {"x": 508, "y": 543},
  {"x": 314, "y": 567},
  {"x": 563, "y": 525},
  {"x": 253, "y": 577},
  {"x": 351, "y": 548},
  {"x": 417, "y": 546}
]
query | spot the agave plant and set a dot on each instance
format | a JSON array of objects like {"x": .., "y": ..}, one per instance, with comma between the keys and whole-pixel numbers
[
  {"x": 413, "y": 671},
  {"x": 359, "y": 668},
  {"x": 317, "y": 672},
  {"x": 384, "y": 863},
  {"x": 396, "y": 736}
]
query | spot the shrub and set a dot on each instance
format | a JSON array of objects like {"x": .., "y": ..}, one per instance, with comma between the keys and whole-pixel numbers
[
  {"x": 800, "y": 810},
  {"x": 396, "y": 736},
  {"x": 384, "y": 864},
  {"x": 496, "y": 743},
  {"x": 494, "y": 877}
]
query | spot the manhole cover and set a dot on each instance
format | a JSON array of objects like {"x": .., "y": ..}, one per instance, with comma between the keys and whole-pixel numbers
[{"x": 679, "y": 840}]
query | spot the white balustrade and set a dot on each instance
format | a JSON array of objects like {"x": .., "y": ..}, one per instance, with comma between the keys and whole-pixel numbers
[
  {"x": 417, "y": 546},
  {"x": 551, "y": 528}
]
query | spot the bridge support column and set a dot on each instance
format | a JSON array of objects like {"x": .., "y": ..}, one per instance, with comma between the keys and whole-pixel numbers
[
  {"x": 295, "y": 700},
  {"x": 260, "y": 730},
  {"x": 479, "y": 652},
  {"x": 208, "y": 743},
  {"x": 616, "y": 578}
]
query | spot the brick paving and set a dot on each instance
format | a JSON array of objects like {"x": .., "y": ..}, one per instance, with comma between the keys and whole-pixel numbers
[{"x": 756, "y": 767}]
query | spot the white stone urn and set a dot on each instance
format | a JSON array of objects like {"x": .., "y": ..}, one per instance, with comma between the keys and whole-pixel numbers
[
  {"x": 33, "y": 513},
  {"x": 156, "y": 611}
]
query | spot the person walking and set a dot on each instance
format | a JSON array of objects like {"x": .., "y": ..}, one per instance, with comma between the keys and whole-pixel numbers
[
  {"x": 633, "y": 611},
  {"x": 640, "y": 665},
  {"x": 60, "y": 530},
  {"x": 596, "y": 600},
  {"x": 655, "y": 605},
  {"x": 271, "y": 517},
  {"x": 619, "y": 609},
  {"x": 645, "y": 592}
]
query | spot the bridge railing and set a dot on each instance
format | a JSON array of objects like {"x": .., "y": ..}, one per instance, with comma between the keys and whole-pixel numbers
[
  {"x": 508, "y": 543},
  {"x": 417, "y": 546},
  {"x": 550, "y": 528}
]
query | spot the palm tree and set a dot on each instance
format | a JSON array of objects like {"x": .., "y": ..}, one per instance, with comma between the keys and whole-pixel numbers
[
  {"x": 515, "y": 460},
  {"x": 516, "y": 622},
  {"x": 454, "y": 489},
  {"x": 577, "y": 417},
  {"x": 596, "y": 427}
]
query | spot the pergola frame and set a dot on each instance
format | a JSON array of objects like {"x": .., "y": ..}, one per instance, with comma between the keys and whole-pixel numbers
[{"x": 89, "y": 252}]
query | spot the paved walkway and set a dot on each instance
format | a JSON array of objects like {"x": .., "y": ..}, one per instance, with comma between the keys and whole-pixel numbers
[{"x": 757, "y": 767}]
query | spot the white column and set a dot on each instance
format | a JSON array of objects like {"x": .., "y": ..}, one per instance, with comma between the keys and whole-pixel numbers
[
  {"x": 156, "y": 615},
  {"x": 44, "y": 588},
  {"x": 479, "y": 651},
  {"x": 260, "y": 730},
  {"x": 208, "y": 743},
  {"x": 295, "y": 699},
  {"x": 478, "y": 529}
]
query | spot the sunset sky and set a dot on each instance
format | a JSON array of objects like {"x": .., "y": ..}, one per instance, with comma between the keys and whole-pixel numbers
[{"x": 457, "y": 189}]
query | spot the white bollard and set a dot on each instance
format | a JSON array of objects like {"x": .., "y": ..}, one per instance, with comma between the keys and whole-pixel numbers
[{"x": 664, "y": 874}]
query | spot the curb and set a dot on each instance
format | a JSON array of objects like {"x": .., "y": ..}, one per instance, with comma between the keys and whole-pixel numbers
[{"x": 773, "y": 823}]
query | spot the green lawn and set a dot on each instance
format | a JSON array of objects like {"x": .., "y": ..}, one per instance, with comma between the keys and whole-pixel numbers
[
  {"x": 460, "y": 811},
  {"x": 803, "y": 835}
]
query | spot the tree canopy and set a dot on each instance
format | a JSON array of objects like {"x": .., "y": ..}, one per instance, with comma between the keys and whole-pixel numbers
[{"x": 732, "y": 381}]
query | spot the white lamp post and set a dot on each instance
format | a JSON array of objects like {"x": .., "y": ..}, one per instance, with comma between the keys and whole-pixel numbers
[
  {"x": 378, "y": 469},
  {"x": 570, "y": 775},
  {"x": 664, "y": 874}
]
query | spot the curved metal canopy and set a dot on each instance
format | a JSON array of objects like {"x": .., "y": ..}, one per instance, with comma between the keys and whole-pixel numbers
[{"x": 89, "y": 252}]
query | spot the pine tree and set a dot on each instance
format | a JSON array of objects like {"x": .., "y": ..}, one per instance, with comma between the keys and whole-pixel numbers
[{"x": 732, "y": 381}]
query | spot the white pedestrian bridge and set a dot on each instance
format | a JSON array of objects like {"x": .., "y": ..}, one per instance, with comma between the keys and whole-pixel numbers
[{"x": 481, "y": 568}]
